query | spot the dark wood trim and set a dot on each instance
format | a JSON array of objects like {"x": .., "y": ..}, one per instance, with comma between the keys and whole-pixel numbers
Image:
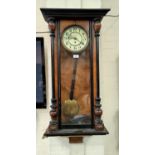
[
  {"x": 85, "y": 14},
  {"x": 52, "y": 35},
  {"x": 91, "y": 72},
  {"x": 42, "y": 104},
  {"x": 75, "y": 126},
  {"x": 97, "y": 66},
  {"x": 98, "y": 111},
  {"x": 75, "y": 132},
  {"x": 53, "y": 112},
  {"x": 59, "y": 74}
]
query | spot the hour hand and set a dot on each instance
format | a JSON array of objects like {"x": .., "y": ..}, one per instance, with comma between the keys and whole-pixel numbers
[
  {"x": 78, "y": 40},
  {"x": 75, "y": 38}
]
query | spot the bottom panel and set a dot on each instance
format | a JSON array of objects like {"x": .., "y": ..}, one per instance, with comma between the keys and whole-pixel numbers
[{"x": 75, "y": 132}]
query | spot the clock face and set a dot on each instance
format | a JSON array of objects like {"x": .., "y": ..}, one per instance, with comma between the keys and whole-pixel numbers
[{"x": 75, "y": 39}]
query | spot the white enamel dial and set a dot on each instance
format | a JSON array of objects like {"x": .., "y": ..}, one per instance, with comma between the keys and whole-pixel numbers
[{"x": 75, "y": 39}]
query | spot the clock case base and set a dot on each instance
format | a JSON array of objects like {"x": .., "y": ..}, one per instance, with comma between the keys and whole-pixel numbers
[{"x": 75, "y": 132}]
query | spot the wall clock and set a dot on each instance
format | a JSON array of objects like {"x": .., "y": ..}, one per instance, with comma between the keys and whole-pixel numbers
[{"x": 75, "y": 104}]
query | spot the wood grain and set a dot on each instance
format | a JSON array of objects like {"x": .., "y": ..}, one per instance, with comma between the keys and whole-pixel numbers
[{"x": 82, "y": 83}]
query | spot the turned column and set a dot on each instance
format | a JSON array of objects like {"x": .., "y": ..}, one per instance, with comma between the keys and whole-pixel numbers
[
  {"x": 53, "y": 113},
  {"x": 98, "y": 111}
]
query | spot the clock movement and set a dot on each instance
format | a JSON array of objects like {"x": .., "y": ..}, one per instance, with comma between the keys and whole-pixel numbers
[{"x": 76, "y": 103}]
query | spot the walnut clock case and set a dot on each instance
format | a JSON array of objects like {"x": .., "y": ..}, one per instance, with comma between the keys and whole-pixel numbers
[{"x": 75, "y": 104}]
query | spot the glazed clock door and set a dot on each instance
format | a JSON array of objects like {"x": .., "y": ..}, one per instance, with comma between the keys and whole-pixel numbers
[{"x": 75, "y": 90}]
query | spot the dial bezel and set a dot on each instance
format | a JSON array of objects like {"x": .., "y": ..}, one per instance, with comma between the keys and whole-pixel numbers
[{"x": 68, "y": 49}]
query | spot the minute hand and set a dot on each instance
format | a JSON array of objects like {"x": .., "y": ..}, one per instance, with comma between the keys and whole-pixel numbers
[{"x": 75, "y": 38}]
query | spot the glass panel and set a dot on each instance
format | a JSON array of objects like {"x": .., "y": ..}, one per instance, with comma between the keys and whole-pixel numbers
[
  {"x": 40, "y": 74},
  {"x": 75, "y": 88}
]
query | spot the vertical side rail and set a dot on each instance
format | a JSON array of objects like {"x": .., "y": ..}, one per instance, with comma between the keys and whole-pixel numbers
[
  {"x": 53, "y": 113},
  {"x": 98, "y": 111}
]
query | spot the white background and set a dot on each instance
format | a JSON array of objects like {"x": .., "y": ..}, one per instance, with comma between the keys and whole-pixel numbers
[
  {"x": 17, "y": 77},
  {"x": 109, "y": 57}
]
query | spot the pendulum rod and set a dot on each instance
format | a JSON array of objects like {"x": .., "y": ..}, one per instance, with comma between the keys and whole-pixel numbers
[{"x": 71, "y": 96}]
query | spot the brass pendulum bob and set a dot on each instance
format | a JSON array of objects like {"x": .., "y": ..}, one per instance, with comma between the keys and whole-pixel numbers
[{"x": 70, "y": 106}]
